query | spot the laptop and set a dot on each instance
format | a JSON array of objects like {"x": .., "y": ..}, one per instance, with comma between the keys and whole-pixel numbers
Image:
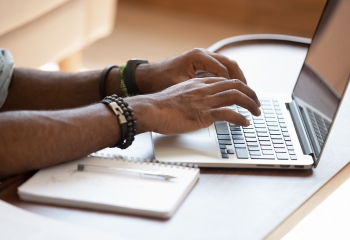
[{"x": 289, "y": 134}]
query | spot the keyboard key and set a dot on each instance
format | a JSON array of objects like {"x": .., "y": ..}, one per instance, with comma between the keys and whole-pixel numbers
[
  {"x": 263, "y": 157},
  {"x": 271, "y": 128},
  {"x": 280, "y": 116},
  {"x": 282, "y": 156},
  {"x": 273, "y": 124},
  {"x": 237, "y": 137},
  {"x": 280, "y": 150},
  {"x": 275, "y": 132},
  {"x": 224, "y": 155},
  {"x": 223, "y": 151},
  {"x": 258, "y": 121},
  {"x": 260, "y": 125},
  {"x": 265, "y": 143},
  {"x": 270, "y": 119},
  {"x": 264, "y": 139},
  {"x": 290, "y": 147},
  {"x": 238, "y": 141},
  {"x": 261, "y": 130},
  {"x": 278, "y": 145},
  {"x": 285, "y": 134},
  {"x": 233, "y": 125},
  {"x": 269, "y": 115},
  {"x": 242, "y": 153},
  {"x": 287, "y": 138},
  {"x": 293, "y": 157},
  {"x": 249, "y": 135},
  {"x": 289, "y": 143},
  {"x": 236, "y": 132},
  {"x": 253, "y": 148},
  {"x": 224, "y": 137},
  {"x": 240, "y": 146},
  {"x": 291, "y": 152},
  {"x": 267, "y": 152},
  {"x": 248, "y": 130},
  {"x": 225, "y": 142},
  {"x": 265, "y": 111},
  {"x": 260, "y": 134},
  {"x": 221, "y": 128},
  {"x": 255, "y": 153},
  {"x": 249, "y": 139},
  {"x": 235, "y": 128},
  {"x": 266, "y": 147},
  {"x": 281, "y": 120},
  {"x": 278, "y": 141},
  {"x": 284, "y": 129},
  {"x": 282, "y": 125},
  {"x": 276, "y": 136},
  {"x": 230, "y": 151},
  {"x": 253, "y": 144},
  {"x": 222, "y": 146},
  {"x": 249, "y": 127}
]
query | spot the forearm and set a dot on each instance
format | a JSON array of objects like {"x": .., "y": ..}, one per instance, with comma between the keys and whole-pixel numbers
[
  {"x": 40, "y": 90},
  {"x": 35, "y": 139}
]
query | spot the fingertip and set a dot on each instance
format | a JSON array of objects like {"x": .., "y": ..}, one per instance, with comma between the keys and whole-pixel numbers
[{"x": 247, "y": 123}]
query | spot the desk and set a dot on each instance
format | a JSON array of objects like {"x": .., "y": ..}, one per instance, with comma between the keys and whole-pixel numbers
[{"x": 232, "y": 203}]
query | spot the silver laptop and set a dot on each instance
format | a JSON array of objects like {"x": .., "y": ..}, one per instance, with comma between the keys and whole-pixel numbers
[{"x": 288, "y": 134}]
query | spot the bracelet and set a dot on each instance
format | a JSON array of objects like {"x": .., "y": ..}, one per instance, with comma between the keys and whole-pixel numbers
[
  {"x": 130, "y": 75},
  {"x": 126, "y": 118},
  {"x": 103, "y": 79},
  {"x": 122, "y": 82}
]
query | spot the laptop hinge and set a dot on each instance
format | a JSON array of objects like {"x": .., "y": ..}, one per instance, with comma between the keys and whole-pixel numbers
[{"x": 300, "y": 129}]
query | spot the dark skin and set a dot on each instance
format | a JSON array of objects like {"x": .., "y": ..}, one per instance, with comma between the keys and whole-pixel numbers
[{"x": 54, "y": 117}]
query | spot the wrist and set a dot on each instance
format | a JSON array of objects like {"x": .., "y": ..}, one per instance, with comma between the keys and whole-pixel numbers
[{"x": 144, "y": 110}]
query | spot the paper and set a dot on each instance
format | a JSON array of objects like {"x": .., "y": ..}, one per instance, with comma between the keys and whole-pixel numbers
[{"x": 16, "y": 223}]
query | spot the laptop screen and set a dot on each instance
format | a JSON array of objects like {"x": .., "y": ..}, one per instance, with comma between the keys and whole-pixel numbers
[{"x": 325, "y": 73}]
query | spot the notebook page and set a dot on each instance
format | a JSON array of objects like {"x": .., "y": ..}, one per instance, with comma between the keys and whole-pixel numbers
[{"x": 63, "y": 184}]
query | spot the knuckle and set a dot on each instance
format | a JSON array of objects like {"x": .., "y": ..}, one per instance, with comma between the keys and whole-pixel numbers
[{"x": 197, "y": 51}]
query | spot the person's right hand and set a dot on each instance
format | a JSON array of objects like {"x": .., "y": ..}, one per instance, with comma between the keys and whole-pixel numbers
[{"x": 192, "y": 105}]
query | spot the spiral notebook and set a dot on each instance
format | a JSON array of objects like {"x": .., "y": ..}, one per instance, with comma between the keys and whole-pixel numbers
[{"x": 151, "y": 196}]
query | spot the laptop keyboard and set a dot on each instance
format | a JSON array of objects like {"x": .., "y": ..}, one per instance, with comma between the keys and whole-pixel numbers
[
  {"x": 267, "y": 136},
  {"x": 320, "y": 125}
]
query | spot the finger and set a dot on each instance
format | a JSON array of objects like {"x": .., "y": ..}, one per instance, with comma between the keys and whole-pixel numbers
[
  {"x": 231, "y": 65},
  {"x": 224, "y": 114},
  {"x": 220, "y": 86},
  {"x": 230, "y": 97},
  {"x": 202, "y": 61}
]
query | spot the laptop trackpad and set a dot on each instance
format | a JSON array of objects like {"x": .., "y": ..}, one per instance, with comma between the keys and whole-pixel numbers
[{"x": 193, "y": 144}]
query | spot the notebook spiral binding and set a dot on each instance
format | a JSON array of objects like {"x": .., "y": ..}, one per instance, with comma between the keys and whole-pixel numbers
[{"x": 144, "y": 160}]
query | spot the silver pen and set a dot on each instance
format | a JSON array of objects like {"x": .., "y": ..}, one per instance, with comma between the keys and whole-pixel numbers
[{"x": 105, "y": 169}]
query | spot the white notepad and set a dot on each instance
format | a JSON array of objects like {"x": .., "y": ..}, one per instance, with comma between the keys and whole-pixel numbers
[{"x": 154, "y": 197}]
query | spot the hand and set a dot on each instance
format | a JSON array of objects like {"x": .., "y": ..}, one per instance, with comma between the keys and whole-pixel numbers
[
  {"x": 193, "y": 105},
  {"x": 155, "y": 77}
]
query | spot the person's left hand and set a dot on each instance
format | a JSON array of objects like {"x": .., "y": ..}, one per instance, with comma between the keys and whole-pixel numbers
[{"x": 158, "y": 76}]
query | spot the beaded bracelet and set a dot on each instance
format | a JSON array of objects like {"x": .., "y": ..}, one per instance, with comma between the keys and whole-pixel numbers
[{"x": 126, "y": 117}]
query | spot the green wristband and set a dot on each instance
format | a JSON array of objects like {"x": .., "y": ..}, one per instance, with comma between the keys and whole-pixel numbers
[{"x": 122, "y": 82}]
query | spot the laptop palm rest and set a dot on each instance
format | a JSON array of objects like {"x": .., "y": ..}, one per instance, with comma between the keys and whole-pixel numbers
[{"x": 198, "y": 144}]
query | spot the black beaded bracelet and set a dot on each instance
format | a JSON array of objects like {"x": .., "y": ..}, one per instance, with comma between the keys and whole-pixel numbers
[
  {"x": 126, "y": 117},
  {"x": 103, "y": 79}
]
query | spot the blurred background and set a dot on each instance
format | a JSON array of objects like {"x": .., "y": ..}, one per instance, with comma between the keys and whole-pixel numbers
[
  {"x": 90, "y": 34},
  {"x": 157, "y": 29}
]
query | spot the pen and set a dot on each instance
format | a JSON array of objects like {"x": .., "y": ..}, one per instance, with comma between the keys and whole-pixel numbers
[{"x": 105, "y": 169}]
